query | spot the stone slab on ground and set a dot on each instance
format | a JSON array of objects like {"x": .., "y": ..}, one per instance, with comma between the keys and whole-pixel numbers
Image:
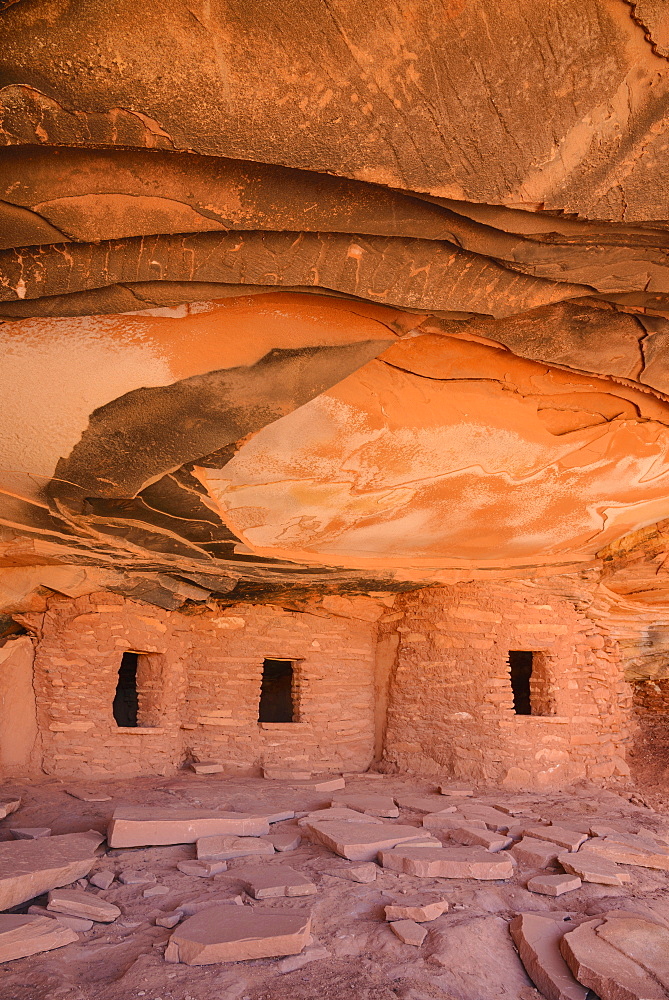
[
  {"x": 646, "y": 943},
  {"x": 605, "y": 970},
  {"x": 569, "y": 839},
  {"x": 418, "y": 908},
  {"x": 206, "y": 767},
  {"x": 537, "y": 939},
  {"x": 626, "y": 854},
  {"x": 146, "y": 826},
  {"x": 425, "y": 803},
  {"x": 270, "y": 881},
  {"x": 238, "y": 934},
  {"x": 170, "y": 919},
  {"x": 372, "y": 803},
  {"x": 30, "y": 832},
  {"x": 456, "y": 790},
  {"x": 79, "y": 903},
  {"x": 79, "y": 924},
  {"x": 283, "y": 842},
  {"x": 448, "y": 862},
  {"x": 337, "y": 814},
  {"x": 27, "y": 934},
  {"x": 132, "y": 876},
  {"x": 450, "y": 821},
  {"x": 332, "y": 784},
  {"x": 475, "y": 837},
  {"x": 532, "y": 853},
  {"x": 270, "y": 815},
  {"x": 224, "y": 848},
  {"x": 363, "y": 874},
  {"x": 8, "y": 806},
  {"x": 102, "y": 880},
  {"x": 88, "y": 795},
  {"x": 29, "y": 868},
  {"x": 362, "y": 841},
  {"x": 554, "y": 885},
  {"x": 592, "y": 867},
  {"x": 409, "y": 932},
  {"x": 493, "y": 818},
  {"x": 202, "y": 869}
]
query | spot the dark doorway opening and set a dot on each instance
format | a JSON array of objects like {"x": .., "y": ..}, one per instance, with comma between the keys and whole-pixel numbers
[
  {"x": 125, "y": 700},
  {"x": 520, "y": 664},
  {"x": 276, "y": 692}
]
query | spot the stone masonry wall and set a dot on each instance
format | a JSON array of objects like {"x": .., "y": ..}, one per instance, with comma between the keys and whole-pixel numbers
[
  {"x": 199, "y": 687},
  {"x": 451, "y": 704}
]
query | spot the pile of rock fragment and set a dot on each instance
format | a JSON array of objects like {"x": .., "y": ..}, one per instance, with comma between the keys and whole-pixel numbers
[{"x": 615, "y": 954}]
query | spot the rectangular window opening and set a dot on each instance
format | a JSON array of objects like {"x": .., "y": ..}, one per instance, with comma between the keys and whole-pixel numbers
[
  {"x": 520, "y": 665},
  {"x": 126, "y": 703},
  {"x": 276, "y": 692}
]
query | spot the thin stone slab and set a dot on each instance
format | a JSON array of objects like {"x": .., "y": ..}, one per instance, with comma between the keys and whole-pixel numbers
[
  {"x": 446, "y": 822},
  {"x": 88, "y": 795},
  {"x": 373, "y": 803},
  {"x": 337, "y": 814},
  {"x": 532, "y": 853},
  {"x": 30, "y": 832},
  {"x": 79, "y": 903},
  {"x": 606, "y": 971},
  {"x": 156, "y": 890},
  {"x": 362, "y": 841},
  {"x": 145, "y": 826},
  {"x": 363, "y": 874},
  {"x": 133, "y": 877},
  {"x": 238, "y": 934},
  {"x": 29, "y": 868},
  {"x": 626, "y": 854},
  {"x": 591, "y": 867},
  {"x": 206, "y": 767},
  {"x": 283, "y": 842},
  {"x": 102, "y": 880},
  {"x": 472, "y": 836},
  {"x": 537, "y": 939},
  {"x": 425, "y": 804},
  {"x": 321, "y": 784},
  {"x": 26, "y": 934},
  {"x": 418, "y": 908},
  {"x": 271, "y": 815},
  {"x": 554, "y": 885},
  {"x": 493, "y": 818},
  {"x": 170, "y": 919},
  {"x": 270, "y": 881},
  {"x": 79, "y": 924},
  {"x": 570, "y": 839},
  {"x": 202, "y": 869},
  {"x": 644, "y": 942},
  {"x": 8, "y": 806},
  {"x": 448, "y": 862},
  {"x": 463, "y": 791},
  {"x": 409, "y": 932},
  {"x": 225, "y": 848}
]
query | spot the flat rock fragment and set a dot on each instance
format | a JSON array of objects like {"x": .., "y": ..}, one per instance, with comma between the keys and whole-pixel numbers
[
  {"x": 362, "y": 841},
  {"x": 474, "y": 836},
  {"x": 144, "y": 826},
  {"x": 30, "y": 832},
  {"x": 283, "y": 842},
  {"x": 337, "y": 814},
  {"x": 629, "y": 854},
  {"x": 448, "y": 862},
  {"x": 202, "y": 869},
  {"x": 537, "y": 939},
  {"x": 416, "y": 908},
  {"x": 29, "y": 868},
  {"x": 456, "y": 791},
  {"x": 445, "y": 822},
  {"x": 554, "y": 885},
  {"x": 134, "y": 877},
  {"x": 533, "y": 853},
  {"x": 238, "y": 934},
  {"x": 373, "y": 803},
  {"x": 79, "y": 903},
  {"x": 358, "y": 873},
  {"x": 79, "y": 924},
  {"x": 425, "y": 804},
  {"x": 591, "y": 867},
  {"x": 102, "y": 879},
  {"x": 268, "y": 881},
  {"x": 569, "y": 839},
  {"x": 409, "y": 932},
  {"x": 206, "y": 767},
  {"x": 26, "y": 934},
  {"x": 644, "y": 942},
  {"x": 226, "y": 847},
  {"x": 170, "y": 919},
  {"x": 9, "y": 806},
  {"x": 604, "y": 969},
  {"x": 333, "y": 784}
]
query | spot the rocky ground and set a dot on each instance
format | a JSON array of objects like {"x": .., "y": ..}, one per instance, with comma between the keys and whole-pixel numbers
[{"x": 467, "y": 954}]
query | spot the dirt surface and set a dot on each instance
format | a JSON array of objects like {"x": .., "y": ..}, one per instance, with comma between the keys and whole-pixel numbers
[{"x": 467, "y": 955}]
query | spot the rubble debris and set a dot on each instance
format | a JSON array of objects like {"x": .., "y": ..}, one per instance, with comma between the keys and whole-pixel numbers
[
  {"x": 79, "y": 903},
  {"x": 25, "y": 934},
  {"x": 238, "y": 934},
  {"x": 269, "y": 881},
  {"x": 409, "y": 932},
  {"x": 448, "y": 862},
  {"x": 537, "y": 938},
  {"x": 362, "y": 841},
  {"x": 226, "y": 847},
  {"x": 554, "y": 885},
  {"x": 144, "y": 826},
  {"x": 29, "y": 868}
]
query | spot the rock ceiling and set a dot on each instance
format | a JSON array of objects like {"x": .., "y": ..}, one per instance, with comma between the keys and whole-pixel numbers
[{"x": 305, "y": 301}]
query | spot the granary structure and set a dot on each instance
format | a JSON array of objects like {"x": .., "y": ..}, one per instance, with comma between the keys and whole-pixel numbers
[{"x": 335, "y": 388}]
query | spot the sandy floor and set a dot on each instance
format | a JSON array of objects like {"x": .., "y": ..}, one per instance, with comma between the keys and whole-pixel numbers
[{"x": 468, "y": 954}]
